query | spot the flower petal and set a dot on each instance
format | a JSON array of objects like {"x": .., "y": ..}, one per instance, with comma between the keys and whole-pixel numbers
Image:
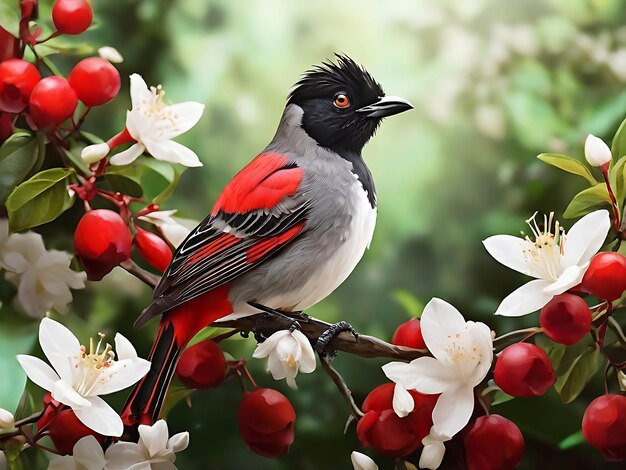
[
  {"x": 123, "y": 455},
  {"x": 571, "y": 277},
  {"x": 482, "y": 341},
  {"x": 424, "y": 374},
  {"x": 265, "y": 348},
  {"x": 453, "y": 410},
  {"x": 139, "y": 91},
  {"x": 362, "y": 462},
  {"x": 122, "y": 374},
  {"x": 508, "y": 250},
  {"x": 173, "y": 152},
  {"x": 38, "y": 371},
  {"x": 88, "y": 454},
  {"x": 65, "y": 462},
  {"x": 154, "y": 437},
  {"x": 585, "y": 238},
  {"x": 526, "y": 299},
  {"x": 432, "y": 454},
  {"x": 186, "y": 115},
  {"x": 127, "y": 156},
  {"x": 403, "y": 402},
  {"x": 178, "y": 442},
  {"x": 58, "y": 344},
  {"x": 100, "y": 417},
  {"x": 307, "y": 360},
  {"x": 64, "y": 393},
  {"x": 439, "y": 322}
]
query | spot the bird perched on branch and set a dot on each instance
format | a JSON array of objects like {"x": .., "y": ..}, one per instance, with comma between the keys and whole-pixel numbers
[{"x": 286, "y": 231}]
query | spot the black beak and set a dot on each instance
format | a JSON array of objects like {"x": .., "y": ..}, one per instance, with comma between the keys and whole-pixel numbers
[{"x": 386, "y": 106}]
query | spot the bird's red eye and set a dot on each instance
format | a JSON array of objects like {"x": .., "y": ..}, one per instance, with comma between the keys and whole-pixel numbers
[{"x": 342, "y": 101}]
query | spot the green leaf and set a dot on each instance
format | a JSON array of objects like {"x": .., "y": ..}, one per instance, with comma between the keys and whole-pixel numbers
[
  {"x": 125, "y": 185},
  {"x": 10, "y": 16},
  {"x": 175, "y": 396},
  {"x": 13, "y": 340},
  {"x": 209, "y": 332},
  {"x": 555, "y": 351},
  {"x": 569, "y": 164},
  {"x": 500, "y": 397},
  {"x": 617, "y": 178},
  {"x": 618, "y": 145},
  {"x": 408, "y": 302},
  {"x": 73, "y": 156},
  {"x": 19, "y": 154},
  {"x": 578, "y": 374},
  {"x": 167, "y": 192},
  {"x": 39, "y": 200},
  {"x": 572, "y": 440},
  {"x": 585, "y": 200}
]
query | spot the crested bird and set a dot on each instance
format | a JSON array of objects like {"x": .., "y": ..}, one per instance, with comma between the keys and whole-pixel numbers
[{"x": 285, "y": 232}]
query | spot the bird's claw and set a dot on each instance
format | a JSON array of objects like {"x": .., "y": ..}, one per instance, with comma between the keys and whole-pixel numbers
[{"x": 331, "y": 333}]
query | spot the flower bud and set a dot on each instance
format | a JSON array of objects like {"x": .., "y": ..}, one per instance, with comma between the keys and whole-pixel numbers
[
  {"x": 604, "y": 426},
  {"x": 266, "y": 421},
  {"x": 383, "y": 430},
  {"x": 409, "y": 334},
  {"x": 102, "y": 241},
  {"x": 597, "y": 152},
  {"x": 94, "y": 153},
  {"x": 65, "y": 430},
  {"x": 111, "y": 54},
  {"x": 605, "y": 277},
  {"x": 178, "y": 442},
  {"x": 493, "y": 443},
  {"x": 7, "y": 420},
  {"x": 362, "y": 462},
  {"x": 153, "y": 249},
  {"x": 566, "y": 319},
  {"x": 202, "y": 365},
  {"x": 523, "y": 370}
]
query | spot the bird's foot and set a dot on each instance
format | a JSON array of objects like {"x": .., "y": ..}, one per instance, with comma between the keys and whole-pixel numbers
[
  {"x": 287, "y": 316},
  {"x": 331, "y": 333}
]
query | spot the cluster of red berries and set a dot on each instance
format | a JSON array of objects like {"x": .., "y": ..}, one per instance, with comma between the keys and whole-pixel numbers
[
  {"x": 103, "y": 240},
  {"x": 47, "y": 102}
]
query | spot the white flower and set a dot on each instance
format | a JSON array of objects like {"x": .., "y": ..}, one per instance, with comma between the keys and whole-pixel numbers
[
  {"x": 402, "y": 402},
  {"x": 7, "y": 420},
  {"x": 597, "y": 152},
  {"x": 463, "y": 352},
  {"x": 288, "y": 352},
  {"x": 174, "y": 229},
  {"x": 111, "y": 54},
  {"x": 87, "y": 454},
  {"x": 81, "y": 375},
  {"x": 557, "y": 260},
  {"x": 94, "y": 153},
  {"x": 43, "y": 278},
  {"x": 434, "y": 450},
  {"x": 153, "y": 125},
  {"x": 362, "y": 462},
  {"x": 153, "y": 451}
]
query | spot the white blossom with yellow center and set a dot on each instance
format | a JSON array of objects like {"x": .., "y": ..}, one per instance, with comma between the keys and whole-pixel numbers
[
  {"x": 80, "y": 375},
  {"x": 556, "y": 259},
  {"x": 462, "y": 355},
  {"x": 153, "y": 125},
  {"x": 288, "y": 353}
]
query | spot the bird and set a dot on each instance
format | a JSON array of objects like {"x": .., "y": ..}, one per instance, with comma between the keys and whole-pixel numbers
[{"x": 285, "y": 232}]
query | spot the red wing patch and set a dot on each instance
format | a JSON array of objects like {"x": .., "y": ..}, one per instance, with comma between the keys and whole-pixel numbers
[
  {"x": 222, "y": 243},
  {"x": 266, "y": 245},
  {"x": 260, "y": 185}
]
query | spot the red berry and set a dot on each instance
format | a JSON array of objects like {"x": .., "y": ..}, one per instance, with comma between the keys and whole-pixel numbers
[
  {"x": 72, "y": 16},
  {"x": 52, "y": 101},
  {"x": 153, "y": 249},
  {"x": 604, "y": 426},
  {"x": 266, "y": 420},
  {"x": 6, "y": 126},
  {"x": 95, "y": 81},
  {"x": 409, "y": 334},
  {"x": 17, "y": 80},
  {"x": 566, "y": 319},
  {"x": 382, "y": 429},
  {"x": 524, "y": 370},
  {"x": 493, "y": 443},
  {"x": 102, "y": 241},
  {"x": 65, "y": 430},
  {"x": 605, "y": 277},
  {"x": 202, "y": 365}
]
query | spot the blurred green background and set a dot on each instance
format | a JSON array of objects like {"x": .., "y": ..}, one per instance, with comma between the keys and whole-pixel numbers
[{"x": 494, "y": 83}]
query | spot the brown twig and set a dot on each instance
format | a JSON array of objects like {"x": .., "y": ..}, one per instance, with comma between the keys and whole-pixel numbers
[
  {"x": 336, "y": 377},
  {"x": 146, "y": 276}
]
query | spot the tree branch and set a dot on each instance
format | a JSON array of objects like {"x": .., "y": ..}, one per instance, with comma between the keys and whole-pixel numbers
[{"x": 146, "y": 276}]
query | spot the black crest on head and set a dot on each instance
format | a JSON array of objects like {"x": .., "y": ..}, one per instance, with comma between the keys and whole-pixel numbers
[{"x": 339, "y": 128}]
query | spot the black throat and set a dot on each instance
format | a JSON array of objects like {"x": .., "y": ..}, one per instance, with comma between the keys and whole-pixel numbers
[{"x": 362, "y": 172}]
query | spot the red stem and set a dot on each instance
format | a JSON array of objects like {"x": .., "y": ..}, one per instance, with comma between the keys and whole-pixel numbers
[{"x": 616, "y": 215}]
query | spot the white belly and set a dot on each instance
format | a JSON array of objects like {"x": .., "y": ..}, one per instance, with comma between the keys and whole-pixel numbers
[{"x": 328, "y": 271}]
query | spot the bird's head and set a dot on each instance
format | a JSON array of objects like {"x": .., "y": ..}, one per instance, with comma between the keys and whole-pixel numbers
[{"x": 342, "y": 104}]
